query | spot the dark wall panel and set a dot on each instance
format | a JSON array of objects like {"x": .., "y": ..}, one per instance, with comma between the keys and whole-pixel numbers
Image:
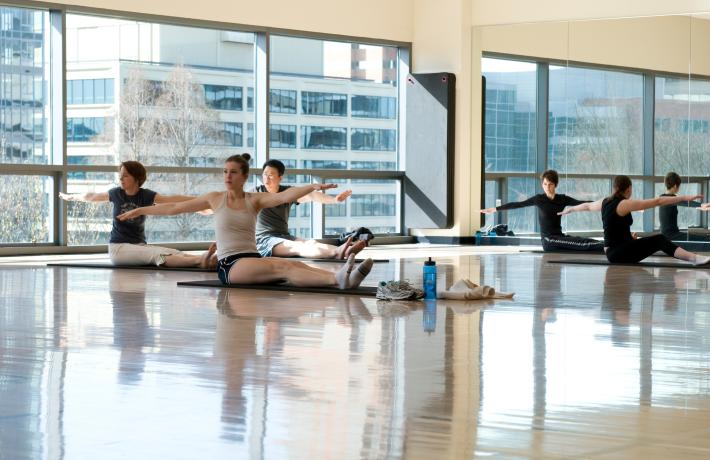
[{"x": 429, "y": 180}]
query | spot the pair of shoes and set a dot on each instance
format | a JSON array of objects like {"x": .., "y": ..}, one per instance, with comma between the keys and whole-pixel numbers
[{"x": 398, "y": 290}]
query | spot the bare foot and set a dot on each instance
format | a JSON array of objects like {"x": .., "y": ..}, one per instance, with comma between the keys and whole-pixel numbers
[
  {"x": 341, "y": 252},
  {"x": 207, "y": 260}
]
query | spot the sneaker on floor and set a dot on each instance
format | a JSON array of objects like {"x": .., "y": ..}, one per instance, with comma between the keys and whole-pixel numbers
[{"x": 398, "y": 290}]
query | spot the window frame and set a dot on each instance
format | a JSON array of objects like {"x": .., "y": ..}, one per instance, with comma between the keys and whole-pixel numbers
[{"x": 56, "y": 122}]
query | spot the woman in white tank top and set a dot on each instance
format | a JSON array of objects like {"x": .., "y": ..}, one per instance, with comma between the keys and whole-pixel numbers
[{"x": 235, "y": 220}]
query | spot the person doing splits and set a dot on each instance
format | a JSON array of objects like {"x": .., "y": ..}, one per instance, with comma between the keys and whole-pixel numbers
[
  {"x": 235, "y": 213},
  {"x": 549, "y": 205},
  {"x": 272, "y": 236},
  {"x": 619, "y": 243},
  {"x": 127, "y": 242}
]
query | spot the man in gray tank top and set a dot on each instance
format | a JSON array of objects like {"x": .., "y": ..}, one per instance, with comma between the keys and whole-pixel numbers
[{"x": 272, "y": 236}]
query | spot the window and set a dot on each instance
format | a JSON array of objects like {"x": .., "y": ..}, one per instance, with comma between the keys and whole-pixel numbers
[
  {"x": 374, "y": 107},
  {"x": 24, "y": 88},
  {"x": 682, "y": 138},
  {"x": 324, "y": 164},
  {"x": 90, "y": 129},
  {"x": 595, "y": 118},
  {"x": 230, "y": 134},
  {"x": 510, "y": 112},
  {"x": 373, "y": 139},
  {"x": 373, "y": 205},
  {"x": 90, "y": 91},
  {"x": 312, "y": 84},
  {"x": 223, "y": 97},
  {"x": 374, "y": 165},
  {"x": 282, "y": 136},
  {"x": 174, "y": 106},
  {"x": 282, "y": 101},
  {"x": 331, "y": 104},
  {"x": 25, "y": 210},
  {"x": 323, "y": 138}
]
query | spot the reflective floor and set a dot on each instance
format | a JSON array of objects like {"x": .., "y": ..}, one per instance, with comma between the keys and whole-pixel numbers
[{"x": 585, "y": 362}]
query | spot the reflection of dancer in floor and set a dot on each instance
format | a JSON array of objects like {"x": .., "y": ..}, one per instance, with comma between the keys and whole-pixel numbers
[
  {"x": 549, "y": 205},
  {"x": 272, "y": 236},
  {"x": 127, "y": 243},
  {"x": 619, "y": 244},
  {"x": 235, "y": 214},
  {"x": 668, "y": 214}
]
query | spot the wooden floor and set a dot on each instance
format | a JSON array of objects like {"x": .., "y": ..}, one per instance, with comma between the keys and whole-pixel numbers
[{"x": 585, "y": 362}]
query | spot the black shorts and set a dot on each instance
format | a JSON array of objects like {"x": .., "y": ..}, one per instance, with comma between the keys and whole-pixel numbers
[{"x": 226, "y": 264}]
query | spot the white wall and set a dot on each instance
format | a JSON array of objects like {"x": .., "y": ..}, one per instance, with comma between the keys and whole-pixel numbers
[
  {"x": 389, "y": 20},
  {"x": 487, "y": 12}
]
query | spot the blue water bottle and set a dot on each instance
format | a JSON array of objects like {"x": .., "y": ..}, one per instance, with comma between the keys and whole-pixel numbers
[{"x": 430, "y": 279}]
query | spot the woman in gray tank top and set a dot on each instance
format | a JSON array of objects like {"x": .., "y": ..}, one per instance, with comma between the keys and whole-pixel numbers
[{"x": 235, "y": 213}]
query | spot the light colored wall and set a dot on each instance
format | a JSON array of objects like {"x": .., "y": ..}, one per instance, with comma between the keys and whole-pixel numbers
[
  {"x": 654, "y": 43},
  {"x": 442, "y": 43},
  {"x": 388, "y": 20},
  {"x": 488, "y": 12}
]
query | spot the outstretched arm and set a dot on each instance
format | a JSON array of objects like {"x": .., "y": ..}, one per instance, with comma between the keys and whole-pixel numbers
[
  {"x": 160, "y": 198},
  {"x": 588, "y": 206},
  {"x": 199, "y": 203},
  {"x": 269, "y": 200},
  {"x": 320, "y": 197},
  {"x": 514, "y": 205},
  {"x": 630, "y": 205},
  {"x": 85, "y": 197}
]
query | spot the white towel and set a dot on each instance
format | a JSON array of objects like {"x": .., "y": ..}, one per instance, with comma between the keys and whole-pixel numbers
[{"x": 467, "y": 290}]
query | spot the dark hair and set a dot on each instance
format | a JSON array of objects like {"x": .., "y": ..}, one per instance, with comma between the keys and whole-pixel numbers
[
  {"x": 277, "y": 165},
  {"x": 621, "y": 185},
  {"x": 551, "y": 175},
  {"x": 672, "y": 179},
  {"x": 242, "y": 160},
  {"x": 136, "y": 170}
]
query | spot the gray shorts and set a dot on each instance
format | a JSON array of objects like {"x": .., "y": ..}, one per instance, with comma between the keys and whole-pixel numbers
[{"x": 265, "y": 243}]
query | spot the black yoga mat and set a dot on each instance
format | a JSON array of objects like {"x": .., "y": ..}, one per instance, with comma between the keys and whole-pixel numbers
[
  {"x": 362, "y": 290},
  {"x": 310, "y": 259},
  {"x": 640, "y": 264},
  {"x": 133, "y": 267}
]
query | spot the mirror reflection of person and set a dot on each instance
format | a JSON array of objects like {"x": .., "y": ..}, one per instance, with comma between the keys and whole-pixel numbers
[
  {"x": 131, "y": 330},
  {"x": 249, "y": 332},
  {"x": 620, "y": 245},
  {"x": 668, "y": 214},
  {"x": 549, "y": 205}
]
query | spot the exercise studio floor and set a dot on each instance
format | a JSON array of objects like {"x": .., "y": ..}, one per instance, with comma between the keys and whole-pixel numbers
[{"x": 585, "y": 362}]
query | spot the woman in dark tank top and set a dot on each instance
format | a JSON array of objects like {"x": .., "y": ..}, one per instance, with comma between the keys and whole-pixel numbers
[{"x": 620, "y": 245}]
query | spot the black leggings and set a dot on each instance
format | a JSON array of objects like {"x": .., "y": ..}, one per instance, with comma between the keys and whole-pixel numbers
[
  {"x": 637, "y": 250},
  {"x": 571, "y": 243}
]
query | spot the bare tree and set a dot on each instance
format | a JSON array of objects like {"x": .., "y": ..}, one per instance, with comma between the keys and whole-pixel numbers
[
  {"x": 137, "y": 126},
  {"x": 24, "y": 216}
]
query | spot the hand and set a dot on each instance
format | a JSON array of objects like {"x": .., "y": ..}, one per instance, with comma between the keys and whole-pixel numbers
[
  {"x": 489, "y": 211},
  {"x": 325, "y": 186},
  {"x": 635, "y": 235},
  {"x": 66, "y": 197},
  {"x": 206, "y": 212},
  {"x": 565, "y": 211},
  {"x": 343, "y": 196},
  {"x": 705, "y": 207},
  {"x": 132, "y": 214}
]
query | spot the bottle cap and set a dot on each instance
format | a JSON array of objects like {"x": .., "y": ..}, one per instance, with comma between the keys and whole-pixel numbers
[{"x": 429, "y": 262}]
